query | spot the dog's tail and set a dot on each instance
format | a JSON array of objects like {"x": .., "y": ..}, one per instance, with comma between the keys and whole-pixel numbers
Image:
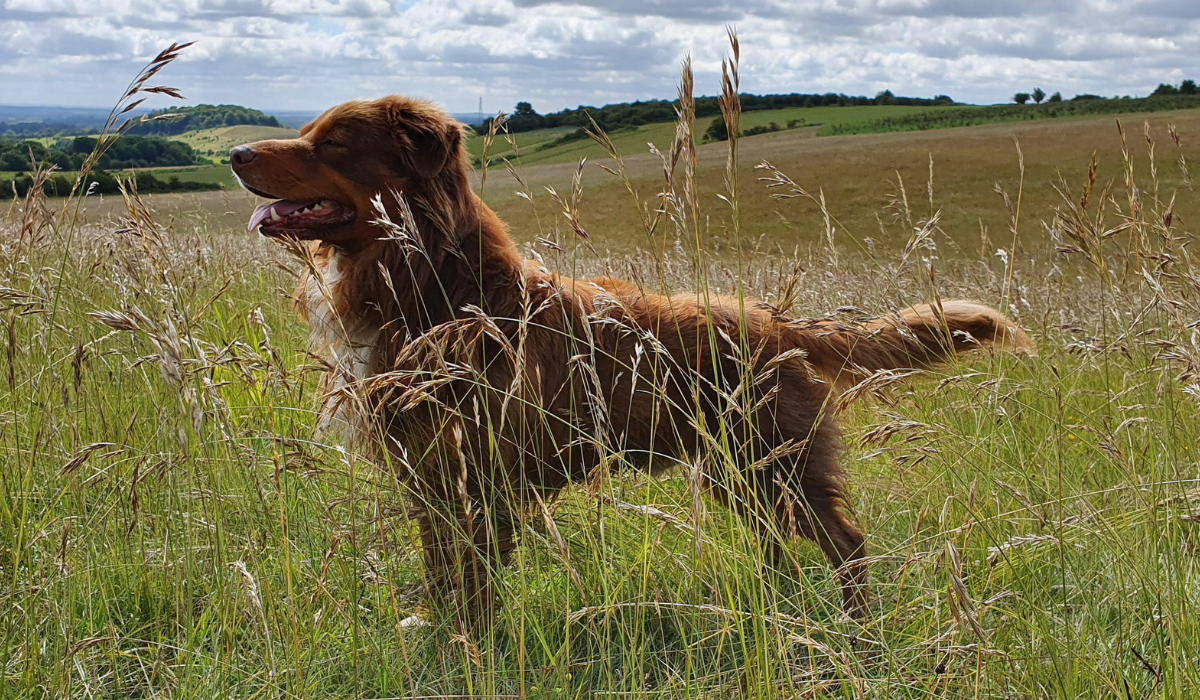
[{"x": 918, "y": 338}]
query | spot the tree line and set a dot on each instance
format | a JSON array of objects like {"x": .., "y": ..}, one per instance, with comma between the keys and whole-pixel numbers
[
  {"x": 37, "y": 130},
  {"x": 1187, "y": 87},
  {"x": 633, "y": 114},
  {"x": 104, "y": 183},
  {"x": 124, "y": 153},
  {"x": 200, "y": 117}
]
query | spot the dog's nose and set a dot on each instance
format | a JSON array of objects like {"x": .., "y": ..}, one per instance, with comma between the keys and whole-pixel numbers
[{"x": 241, "y": 155}]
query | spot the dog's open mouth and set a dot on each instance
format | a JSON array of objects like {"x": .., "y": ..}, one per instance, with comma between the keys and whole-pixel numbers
[{"x": 299, "y": 219}]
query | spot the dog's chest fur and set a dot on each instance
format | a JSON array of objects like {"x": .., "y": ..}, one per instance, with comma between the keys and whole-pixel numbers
[{"x": 349, "y": 343}]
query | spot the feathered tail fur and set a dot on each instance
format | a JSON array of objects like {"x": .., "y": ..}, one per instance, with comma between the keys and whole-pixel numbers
[{"x": 918, "y": 338}]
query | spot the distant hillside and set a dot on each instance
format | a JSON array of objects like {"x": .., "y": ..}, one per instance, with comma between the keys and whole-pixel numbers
[
  {"x": 41, "y": 130},
  {"x": 470, "y": 118},
  {"x": 43, "y": 121},
  {"x": 202, "y": 117},
  {"x": 970, "y": 115},
  {"x": 632, "y": 114},
  {"x": 70, "y": 116},
  {"x": 295, "y": 118}
]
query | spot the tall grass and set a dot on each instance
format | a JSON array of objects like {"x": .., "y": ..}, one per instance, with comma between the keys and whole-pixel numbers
[{"x": 170, "y": 525}]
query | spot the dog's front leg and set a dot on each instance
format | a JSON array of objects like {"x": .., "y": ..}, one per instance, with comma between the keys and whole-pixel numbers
[{"x": 463, "y": 545}]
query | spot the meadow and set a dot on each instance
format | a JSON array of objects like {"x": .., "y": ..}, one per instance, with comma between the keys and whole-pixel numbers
[
  {"x": 170, "y": 525},
  {"x": 537, "y": 147}
]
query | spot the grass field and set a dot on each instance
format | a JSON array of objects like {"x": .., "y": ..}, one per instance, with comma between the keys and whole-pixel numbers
[
  {"x": 865, "y": 180},
  {"x": 634, "y": 141},
  {"x": 862, "y": 177},
  {"x": 170, "y": 525},
  {"x": 536, "y": 147},
  {"x": 207, "y": 173}
]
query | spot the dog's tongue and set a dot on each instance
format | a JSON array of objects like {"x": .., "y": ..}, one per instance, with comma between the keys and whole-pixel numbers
[{"x": 281, "y": 208}]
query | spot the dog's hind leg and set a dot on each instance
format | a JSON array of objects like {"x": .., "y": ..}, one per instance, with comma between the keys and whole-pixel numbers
[
  {"x": 846, "y": 549},
  {"x": 799, "y": 494},
  {"x": 811, "y": 496}
]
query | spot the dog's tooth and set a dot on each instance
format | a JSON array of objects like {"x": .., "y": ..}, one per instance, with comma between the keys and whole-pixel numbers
[{"x": 274, "y": 214}]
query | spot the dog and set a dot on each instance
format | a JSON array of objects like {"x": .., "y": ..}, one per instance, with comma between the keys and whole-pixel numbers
[{"x": 488, "y": 384}]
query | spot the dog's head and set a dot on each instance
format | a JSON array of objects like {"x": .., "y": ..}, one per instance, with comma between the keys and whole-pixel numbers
[{"x": 325, "y": 179}]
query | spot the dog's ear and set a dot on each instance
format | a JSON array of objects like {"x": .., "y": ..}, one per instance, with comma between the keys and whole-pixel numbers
[
  {"x": 427, "y": 142},
  {"x": 434, "y": 150}
]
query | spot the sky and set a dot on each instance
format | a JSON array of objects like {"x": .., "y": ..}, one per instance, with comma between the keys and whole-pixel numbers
[{"x": 310, "y": 54}]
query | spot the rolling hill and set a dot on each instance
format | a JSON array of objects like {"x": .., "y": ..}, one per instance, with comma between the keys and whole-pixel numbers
[
  {"x": 567, "y": 144},
  {"x": 544, "y": 146},
  {"x": 215, "y": 143},
  {"x": 178, "y": 120}
]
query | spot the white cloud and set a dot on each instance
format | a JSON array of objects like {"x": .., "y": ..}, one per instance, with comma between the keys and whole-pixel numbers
[{"x": 308, "y": 54}]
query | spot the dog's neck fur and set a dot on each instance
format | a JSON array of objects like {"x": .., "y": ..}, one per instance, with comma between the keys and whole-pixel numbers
[
  {"x": 462, "y": 256},
  {"x": 375, "y": 297}
]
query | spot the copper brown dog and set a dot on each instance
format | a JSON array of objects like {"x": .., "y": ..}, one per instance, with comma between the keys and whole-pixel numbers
[{"x": 488, "y": 384}]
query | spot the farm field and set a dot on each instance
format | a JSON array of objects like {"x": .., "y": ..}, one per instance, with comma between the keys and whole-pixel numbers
[
  {"x": 215, "y": 143},
  {"x": 861, "y": 177},
  {"x": 536, "y": 147},
  {"x": 547, "y": 147},
  {"x": 633, "y": 141},
  {"x": 205, "y": 173},
  {"x": 171, "y": 525}
]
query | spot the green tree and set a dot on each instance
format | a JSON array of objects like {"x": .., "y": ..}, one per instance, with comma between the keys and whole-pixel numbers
[
  {"x": 1038, "y": 95},
  {"x": 11, "y": 160},
  {"x": 1188, "y": 87},
  {"x": 717, "y": 130},
  {"x": 1056, "y": 97},
  {"x": 525, "y": 118},
  {"x": 126, "y": 152},
  {"x": 1021, "y": 98}
]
